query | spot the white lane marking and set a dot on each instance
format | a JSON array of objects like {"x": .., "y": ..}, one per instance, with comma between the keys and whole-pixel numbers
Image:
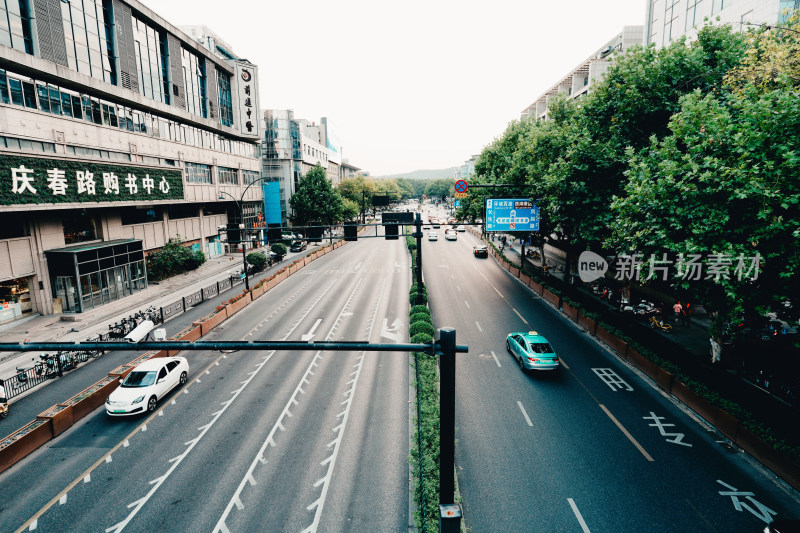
[
  {"x": 498, "y": 292},
  {"x": 310, "y": 335},
  {"x": 627, "y": 434},
  {"x": 563, "y": 363},
  {"x": 581, "y": 521},
  {"x": 458, "y": 287},
  {"x": 467, "y": 304},
  {"x": 319, "y": 504},
  {"x": 520, "y": 316},
  {"x": 527, "y": 418},
  {"x": 138, "y": 504},
  {"x": 479, "y": 326},
  {"x": 496, "y": 360},
  {"x": 611, "y": 379},
  {"x": 260, "y": 458}
]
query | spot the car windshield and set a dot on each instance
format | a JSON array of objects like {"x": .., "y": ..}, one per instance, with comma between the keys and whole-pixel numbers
[
  {"x": 140, "y": 379},
  {"x": 541, "y": 347}
]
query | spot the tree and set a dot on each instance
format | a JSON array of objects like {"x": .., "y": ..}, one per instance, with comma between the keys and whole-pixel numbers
[
  {"x": 173, "y": 258},
  {"x": 350, "y": 209},
  {"x": 440, "y": 188},
  {"x": 315, "y": 200}
]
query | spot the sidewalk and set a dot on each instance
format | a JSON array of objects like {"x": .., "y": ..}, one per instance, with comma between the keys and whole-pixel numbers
[{"x": 80, "y": 326}]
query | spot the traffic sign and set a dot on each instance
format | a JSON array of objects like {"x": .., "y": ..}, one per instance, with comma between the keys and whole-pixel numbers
[
  {"x": 511, "y": 214},
  {"x": 461, "y": 195},
  {"x": 461, "y": 187}
]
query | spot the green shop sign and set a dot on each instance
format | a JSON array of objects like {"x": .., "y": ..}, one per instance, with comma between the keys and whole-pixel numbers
[{"x": 33, "y": 180}]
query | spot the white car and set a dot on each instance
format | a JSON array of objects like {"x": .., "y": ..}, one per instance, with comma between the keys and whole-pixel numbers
[
  {"x": 146, "y": 384},
  {"x": 451, "y": 235},
  {"x": 433, "y": 236},
  {"x": 461, "y": 228}
]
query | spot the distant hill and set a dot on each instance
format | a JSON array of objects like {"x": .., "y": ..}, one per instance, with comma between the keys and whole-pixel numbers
[{"x": 433, "y": 174}]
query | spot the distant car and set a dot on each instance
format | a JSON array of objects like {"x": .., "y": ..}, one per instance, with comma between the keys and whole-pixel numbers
[
  {"x": 426, "y": 226},
  {"x": 146, "y": 384},
  {"x": 436, "y": 225},
  {"x": 433, "y": 236},
  {"x": 461, "y": 228},
  {"x": 532, "y": 351},
  {"x": 298, "y": 246},
  {"x": 480, "y": 250},
  {"x": 450, "y": 235}
]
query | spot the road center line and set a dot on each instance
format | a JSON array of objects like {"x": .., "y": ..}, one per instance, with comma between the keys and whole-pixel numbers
[
  {"x": 527, "y": 418},
  {"x": 479, "y": 326},
  {"x": 467, "y": 304},
  {"x": 520, "y": 316},
  {"x": 496, "y": 360},
  {"x": 627, "y": 434},
  {"x": 581, "y": 521}
]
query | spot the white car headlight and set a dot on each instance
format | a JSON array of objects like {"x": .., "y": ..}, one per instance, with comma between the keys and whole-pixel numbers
[{"x": 138, "y": 400}]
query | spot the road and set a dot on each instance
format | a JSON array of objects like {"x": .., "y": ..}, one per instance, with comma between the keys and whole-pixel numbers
[
  {"x": 593, "y": 448},
  {"x": 256, "y": 441}
]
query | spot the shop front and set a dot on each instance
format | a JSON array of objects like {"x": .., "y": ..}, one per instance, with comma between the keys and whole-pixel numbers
[
  {"x": 15, "y": 299},
  {"x": 89, "y": 275}
]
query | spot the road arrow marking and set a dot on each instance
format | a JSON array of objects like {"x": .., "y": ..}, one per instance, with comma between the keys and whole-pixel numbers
[
  {"x": 310, "y": 335},
  {"x": 392, "y": 333}
]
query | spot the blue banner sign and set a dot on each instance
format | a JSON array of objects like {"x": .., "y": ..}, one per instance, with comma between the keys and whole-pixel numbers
[{"x": 511, "y": 214}]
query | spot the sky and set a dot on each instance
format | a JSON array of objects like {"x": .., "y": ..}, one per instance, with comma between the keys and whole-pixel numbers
[{"x": 423, "y": 84}]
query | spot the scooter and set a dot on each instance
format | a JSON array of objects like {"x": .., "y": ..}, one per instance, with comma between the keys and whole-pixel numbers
[
  {"x": 660, "y": 324},
  {"x": 4, "y": 409}
]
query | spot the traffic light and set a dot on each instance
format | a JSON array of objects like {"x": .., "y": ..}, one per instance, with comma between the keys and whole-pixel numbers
[{"x": 350, "y": 231}]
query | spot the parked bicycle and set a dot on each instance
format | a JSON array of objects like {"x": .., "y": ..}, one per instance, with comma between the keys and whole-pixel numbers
[{"x": 657, "y": 323}]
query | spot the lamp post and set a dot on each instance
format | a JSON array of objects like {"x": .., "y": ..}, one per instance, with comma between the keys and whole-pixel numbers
[{"x": 240, "y": 205}]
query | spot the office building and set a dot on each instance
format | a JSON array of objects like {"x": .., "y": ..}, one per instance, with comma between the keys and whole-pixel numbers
[
  {"x": 579, "y": 81},
  {"x": 666, "y": 20},
  {"x": 118, "y": 132}
]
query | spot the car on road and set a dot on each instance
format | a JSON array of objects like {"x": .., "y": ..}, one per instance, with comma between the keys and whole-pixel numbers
[
  {"x": 480, "y": 250},
  {"x": 461, "y": 228},
  {"x": 146, "y": 384},
  {"x": 433, "y": 236},
  {"x": 450, "y": 235},
  {"x": 532, "y": 351},
  {"x": 298, "y": 246}
]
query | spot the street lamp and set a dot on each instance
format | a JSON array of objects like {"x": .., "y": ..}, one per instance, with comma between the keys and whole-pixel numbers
[{"x": 240, "y": 205}]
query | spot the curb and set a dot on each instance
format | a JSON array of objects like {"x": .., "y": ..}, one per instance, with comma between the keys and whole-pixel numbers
[
  {"x": 60, "y": 417},
  {"x": 781, "y": 465}
]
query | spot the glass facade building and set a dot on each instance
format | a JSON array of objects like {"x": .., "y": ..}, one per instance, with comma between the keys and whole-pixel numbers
[{"x": 135, "y": 145}]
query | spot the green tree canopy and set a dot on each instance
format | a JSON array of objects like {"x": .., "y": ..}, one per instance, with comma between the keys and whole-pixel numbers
[{"x": 315, "y": 200}]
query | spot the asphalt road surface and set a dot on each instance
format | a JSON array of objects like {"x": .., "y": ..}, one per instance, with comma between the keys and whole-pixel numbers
[
  {"x": 256, "y": 440},
  {"x": 594, "y": 447}
]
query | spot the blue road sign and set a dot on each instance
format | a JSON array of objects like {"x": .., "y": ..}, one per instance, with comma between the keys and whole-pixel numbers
[
  {"x": 457, "y": 203},
  {"x": 511, "y": 214}
]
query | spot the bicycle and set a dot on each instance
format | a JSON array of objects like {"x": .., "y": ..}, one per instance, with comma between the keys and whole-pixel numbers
[{"x": 660, "y": 324}]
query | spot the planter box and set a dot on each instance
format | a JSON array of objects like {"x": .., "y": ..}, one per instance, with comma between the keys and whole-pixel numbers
[
  {"x": 570, "y": 311},
  {"x": 23, "y": 441},
  {"x": 588, "y": 323},
  {"x": 211, "y": 321},
  {"x": 664, "y": 379},
  {"x": 525, "y": 279},
  {"x": 550, "y": 297},
  {"x": 258, "y": 291},
  {"x": 236, "y": 306},
  {"x": 122, "y": 371},
  {"x": 191, "y": 335},
  {"x": 537, "y": 288},
  {"x": 616, "y": 344},
  {"x": 60, "y": 418},
  {"x": 783, "y": 466},
  {"x": 92, "y": 397},
  {"x": 694, "y": 401},
  {"x": 726, "y": 423},
  {"x": 514, "y": 270}
]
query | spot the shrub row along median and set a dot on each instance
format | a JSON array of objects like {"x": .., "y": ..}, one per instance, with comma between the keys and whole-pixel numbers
[{"x": 62, "y": 416}]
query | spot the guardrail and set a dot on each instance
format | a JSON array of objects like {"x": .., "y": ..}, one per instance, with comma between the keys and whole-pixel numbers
[{"x": 60, "y": 417}]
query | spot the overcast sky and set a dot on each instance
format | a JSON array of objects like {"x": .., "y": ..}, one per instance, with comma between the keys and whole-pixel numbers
[{"x": 412, "y": 85}]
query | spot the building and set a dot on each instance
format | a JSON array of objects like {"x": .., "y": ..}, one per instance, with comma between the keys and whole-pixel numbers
[
  {"x": 118, "y": 132},
  {"x": 666, "y": 20},
  {"x": 579, "y": 80},
  {"x": 467, "y": 169},
  {"x": 290, "y": 148},
  {"x": 348, "y": 171}
]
